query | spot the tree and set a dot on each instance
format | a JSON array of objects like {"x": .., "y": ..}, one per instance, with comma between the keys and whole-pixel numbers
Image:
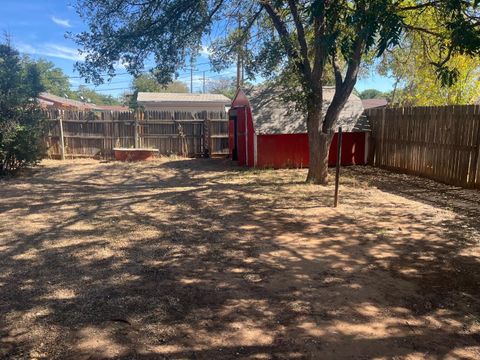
[
  {"x": 148, "y": 83},
  {"x": 417, "y": 82},
  {"x": 53, "y": 79},
  {"x": 85, "y": 94},
  {"x": 21, "y": 122},
  {"x": 225, "y": 86},
  {"x": 371, "y": 94},
  {"x": 301, "y": 37},
  {"x": 421, "y": 86}
]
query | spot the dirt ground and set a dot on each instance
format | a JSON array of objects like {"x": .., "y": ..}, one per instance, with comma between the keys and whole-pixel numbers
[{"x": 198, "y": 259}]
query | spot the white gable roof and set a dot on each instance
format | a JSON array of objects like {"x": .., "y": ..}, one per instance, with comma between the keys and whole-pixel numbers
[
  {"x": 271, "y": 115},
  {"x": 152, "y": 97}
]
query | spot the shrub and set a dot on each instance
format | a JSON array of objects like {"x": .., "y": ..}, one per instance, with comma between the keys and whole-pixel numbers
[{"x": 21, "y": 121}]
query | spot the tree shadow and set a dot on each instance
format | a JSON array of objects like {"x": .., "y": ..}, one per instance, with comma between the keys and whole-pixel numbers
[{"x": 201, "y": 259}]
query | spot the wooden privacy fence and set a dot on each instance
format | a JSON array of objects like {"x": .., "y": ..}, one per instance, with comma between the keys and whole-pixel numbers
[
  {"x": 93, "y": 134},
  {"x": 441, "y": 143}
]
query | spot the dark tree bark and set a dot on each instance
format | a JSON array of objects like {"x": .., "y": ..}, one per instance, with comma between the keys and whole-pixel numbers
[
  {"x": 319, "y": 147},
  {"x": 321, "y": 128}
]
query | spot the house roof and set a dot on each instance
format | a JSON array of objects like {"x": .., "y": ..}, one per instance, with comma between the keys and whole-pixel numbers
[
  {"x": 63, "y": 102},
  {"x": 374, "y": 103},
  {"x": 47, "y": 99},
  {"x": 271, "y": 115},
  {"x": 182, "y": 98}
]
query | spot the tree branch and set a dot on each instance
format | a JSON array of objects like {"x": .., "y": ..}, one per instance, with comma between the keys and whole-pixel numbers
[
  {"x": 319, "y": 26},
  {"x": 419, "y": 6},
  {"x": 337, "y": 72},
  {"x": 300, "y": 35},
  {"x": 285, "y": 37},
  {"x": 343, "y": 91},
  {"x": 420, "y": 29}
]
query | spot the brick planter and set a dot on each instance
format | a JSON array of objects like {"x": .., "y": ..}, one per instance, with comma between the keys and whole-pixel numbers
[{"x": 124, "y": 154}]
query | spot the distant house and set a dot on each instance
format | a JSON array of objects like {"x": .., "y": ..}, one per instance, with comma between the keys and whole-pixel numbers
[
  {"x": 374, "y": 103},
  {"x": 58, "y": 102},
  {"x": 182, "y": 102}
]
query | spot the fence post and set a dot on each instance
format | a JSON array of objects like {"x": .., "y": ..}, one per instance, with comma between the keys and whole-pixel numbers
[
  {"x": 475, "y": 171},
  {"x": 135, "y": 134},
  {"x": 379, "y": 150},
  {"x": 62, "y": 141},
  {"x": 207, "y": 136}
]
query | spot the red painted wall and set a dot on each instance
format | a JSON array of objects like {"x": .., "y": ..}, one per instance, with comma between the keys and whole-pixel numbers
[
  {"x": 291, "y": 150},
  {"x": 283, "y": 150},
  {"x": 245, "y": 130}
]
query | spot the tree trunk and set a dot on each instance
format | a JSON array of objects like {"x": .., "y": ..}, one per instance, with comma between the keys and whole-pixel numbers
[{"x": 319, "y": 147}]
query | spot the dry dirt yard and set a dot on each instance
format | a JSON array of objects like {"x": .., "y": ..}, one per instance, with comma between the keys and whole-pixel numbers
[{"x": 198, "y": 259}]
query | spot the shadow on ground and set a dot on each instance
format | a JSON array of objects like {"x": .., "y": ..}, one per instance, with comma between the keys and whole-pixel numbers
[{"x": 199, "y": 259}]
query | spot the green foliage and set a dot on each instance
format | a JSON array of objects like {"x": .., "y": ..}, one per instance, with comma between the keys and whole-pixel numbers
[
  {"x": 21, "y": 123},
  {"x": 53, "y": 79},
  {"x": 372, "y": 94},
  {"x": 56, "y": 82},
  {"x": 224, "y": 86},
  {"x": 454, "y": 77},
  {"x": 148, "y": 83},
  {"x": 85, "y": 94},
  {"x": 274, "y": 37}
]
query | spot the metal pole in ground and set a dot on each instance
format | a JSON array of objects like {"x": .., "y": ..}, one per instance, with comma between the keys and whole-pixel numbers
[{"x": 339, "y": 161}]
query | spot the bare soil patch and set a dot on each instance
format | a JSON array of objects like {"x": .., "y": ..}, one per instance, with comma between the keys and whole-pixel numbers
[{"x": 197, "y": 259}]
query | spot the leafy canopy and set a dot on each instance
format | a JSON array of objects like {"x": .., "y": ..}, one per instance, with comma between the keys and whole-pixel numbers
[
  {"x": 148, "y": 83},
  {"x": 419, "y": 83},
  {"x": 52, "y": 78},
  {"x": 223, "y": 85},
  {"x": 21, "y": 122},
  {"x": 372, "y": 94},
  {"x": 85, "y": 94},
  {"x": 304, "y": 36}
]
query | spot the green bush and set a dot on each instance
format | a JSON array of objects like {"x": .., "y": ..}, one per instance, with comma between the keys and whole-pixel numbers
[{"x": 21, "y": 121}]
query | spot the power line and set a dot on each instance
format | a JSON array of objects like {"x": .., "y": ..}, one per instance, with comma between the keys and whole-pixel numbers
[
  {"x": 199, "y": 79},
  {"x": 119, "y": 74}
]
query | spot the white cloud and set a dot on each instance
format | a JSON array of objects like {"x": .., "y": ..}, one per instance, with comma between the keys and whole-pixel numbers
[
  {"x": 25, "y": 48},
  {"x": 52, "y": 50},
  {"x": 61, "y": 22}
]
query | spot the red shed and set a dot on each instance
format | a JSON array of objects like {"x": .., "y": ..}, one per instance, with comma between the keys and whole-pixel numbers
[{"x": 266, "y": 132}]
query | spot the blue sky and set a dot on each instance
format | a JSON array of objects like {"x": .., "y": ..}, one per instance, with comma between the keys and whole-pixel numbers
[{"x": 38, "y": 28}]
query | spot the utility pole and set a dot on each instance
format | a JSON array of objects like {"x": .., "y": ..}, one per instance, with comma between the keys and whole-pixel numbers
[
  {"x": 204, "y": 82},
  {"x": 191, "y": 79},
  {"x": 239, "y": 56},
  {"x": 243, "y": 67}
]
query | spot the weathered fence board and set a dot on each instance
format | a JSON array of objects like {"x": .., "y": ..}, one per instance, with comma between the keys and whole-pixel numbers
[
  {"x": 93, "y": 134},
  {"x": 441, "y": 143}
]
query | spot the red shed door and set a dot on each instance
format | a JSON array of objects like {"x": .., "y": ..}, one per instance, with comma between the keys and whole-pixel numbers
[
  {"x": 233, "y": 134},
  {"x": 241, "y": 136}
]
